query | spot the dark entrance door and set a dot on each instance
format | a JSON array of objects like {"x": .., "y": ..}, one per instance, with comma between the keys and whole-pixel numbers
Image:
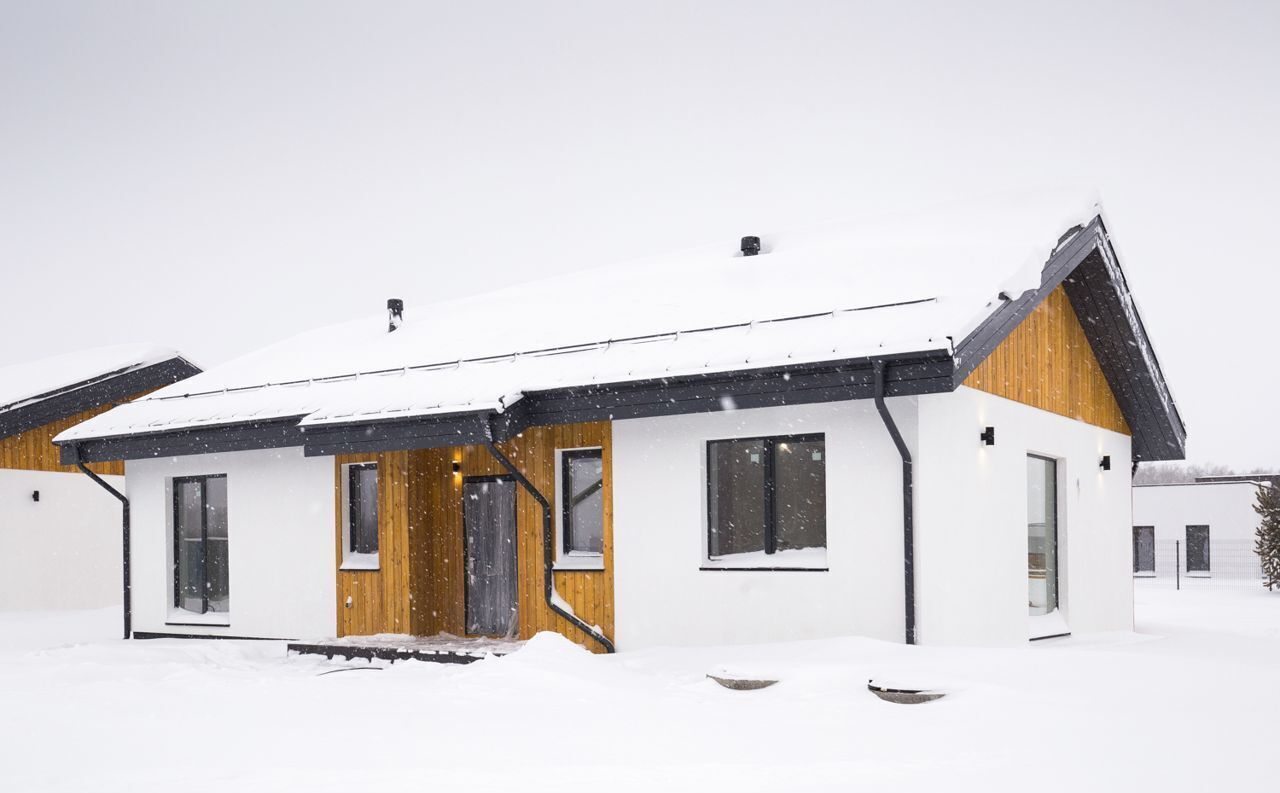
[
  {"x": 1144, "y": 549},
  {"x": 489, "y": 521}
]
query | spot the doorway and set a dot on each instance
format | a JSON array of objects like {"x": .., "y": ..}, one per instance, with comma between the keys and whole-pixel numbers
[
  {"x": 489, "y": 550},
  {"x": 1042, "y": 535}
]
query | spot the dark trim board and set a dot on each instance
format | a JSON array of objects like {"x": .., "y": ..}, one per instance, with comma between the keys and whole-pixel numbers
[
  {"x": 154, "y": 635},
  {"x": 269, "y": 434},
  {"x": 111, "y": 387},
  {"x": 352, "y": 652}
]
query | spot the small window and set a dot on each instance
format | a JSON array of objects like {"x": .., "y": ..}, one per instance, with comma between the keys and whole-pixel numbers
[
  {"x": 582, "y": 502},
  {"x": 201, "y": 580},
  {"x": 1144, "y": 549},
  {"x": 1197, "y": 549},
  {"x": 360, "y": 548},
  {"x": 767, "y": 502}
]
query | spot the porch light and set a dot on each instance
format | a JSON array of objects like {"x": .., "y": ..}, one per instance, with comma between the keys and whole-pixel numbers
[
  {"x": 457, "y": 467},
  {"x": 1105, "y": 462},
  {"x": 988, "y": 436}
]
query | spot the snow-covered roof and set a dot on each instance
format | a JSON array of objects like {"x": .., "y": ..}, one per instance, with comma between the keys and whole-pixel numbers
[
  {"x": 25, "y": 384},
  {"x": 895, "y": 284}
]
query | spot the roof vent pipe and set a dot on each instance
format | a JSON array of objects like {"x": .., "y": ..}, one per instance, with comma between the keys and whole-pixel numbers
[
  {"x": 395, "y": 308},
  {"x": 750, "y": 246}
]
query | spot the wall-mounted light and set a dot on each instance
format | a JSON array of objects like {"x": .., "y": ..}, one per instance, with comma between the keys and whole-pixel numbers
[
  {"x": 1105, "y": 462},
  {"x": 35, "y": 495},
  {"x": 988, "y": 436},
  {"x": 457, "y": 466}
]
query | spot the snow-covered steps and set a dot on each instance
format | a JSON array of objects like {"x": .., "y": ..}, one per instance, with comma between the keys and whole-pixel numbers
[{"x": 441, "y": 649}]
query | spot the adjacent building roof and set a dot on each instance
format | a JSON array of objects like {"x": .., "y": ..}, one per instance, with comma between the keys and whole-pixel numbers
[
  {"x": 37, "y": 392},
  {"x": 932, "y": 293}
]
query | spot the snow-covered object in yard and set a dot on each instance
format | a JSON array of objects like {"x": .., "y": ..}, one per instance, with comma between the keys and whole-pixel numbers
[
  {"x": 913, "y": 283},
  {"x": 24, "y": 383}
]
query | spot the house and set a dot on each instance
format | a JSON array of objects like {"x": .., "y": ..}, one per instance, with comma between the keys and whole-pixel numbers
[
  {"x": 918, "y": 428},
  {"x": 1208, "y": 526},
  {"x": 59, "y": 533}
]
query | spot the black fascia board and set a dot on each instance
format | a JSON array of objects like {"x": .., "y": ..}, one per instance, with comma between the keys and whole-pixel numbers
[
  {"x": 108, "y": 388},
  {"x": 242, "y": 436},
  {"x": 1080, "y": 266},
  {"x": 918, "y": 373}
]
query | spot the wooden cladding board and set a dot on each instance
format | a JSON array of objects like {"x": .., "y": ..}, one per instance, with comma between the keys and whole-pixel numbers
[
  {"x": 419, "y": 587},
  {"x": 33, "y": 450},
  {"x": 377, "y": 601},
  {"x": 1046, "y": 362}
]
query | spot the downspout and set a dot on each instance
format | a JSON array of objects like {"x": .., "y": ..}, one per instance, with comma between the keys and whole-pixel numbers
[
  {"x": 908, "y": 522},
  {"x": 548, "y": 538},
  {"x": 128, "y": 594}
]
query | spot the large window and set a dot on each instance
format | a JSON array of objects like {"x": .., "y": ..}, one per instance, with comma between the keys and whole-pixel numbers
[
  {"x": 582, "y": 502},
  {"x": 767, "y": 501},
  {"x": 1197, "y": 549},
  {"x": 1042, "y": 535},
  {"x": 200, "y": 575},
  {"x": 360, "y": 534}
]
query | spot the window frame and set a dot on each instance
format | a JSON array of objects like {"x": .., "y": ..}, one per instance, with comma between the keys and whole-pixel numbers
[
  {"x": 567, "y": 456},
  {"x": 1139, "y": 572},
  {"x": 770, "y": 543},
  {"x": 352, "y": 560},
  {"x": 175, "y": 507}
]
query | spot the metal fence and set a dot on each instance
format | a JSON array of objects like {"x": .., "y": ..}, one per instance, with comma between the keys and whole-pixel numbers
[{"x": 1231, "y": 564}]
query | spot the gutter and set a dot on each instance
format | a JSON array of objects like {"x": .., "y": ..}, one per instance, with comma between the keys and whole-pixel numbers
[
  {"x": 908, "y": 519},
  {"x": 124, "y": 510},
  {"x": 548, "y": 539}
]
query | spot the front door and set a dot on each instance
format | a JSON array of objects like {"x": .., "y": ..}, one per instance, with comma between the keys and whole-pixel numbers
[
  {"x": 1042, "y": 535},
  {"x": 489, "y": 521}
]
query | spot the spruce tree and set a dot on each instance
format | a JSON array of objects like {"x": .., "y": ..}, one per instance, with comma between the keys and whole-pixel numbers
[{"x": 1268, "y": 545}]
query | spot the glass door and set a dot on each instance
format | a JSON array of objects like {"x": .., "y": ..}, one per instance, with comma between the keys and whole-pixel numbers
[{"x": 1042, "y": 535}]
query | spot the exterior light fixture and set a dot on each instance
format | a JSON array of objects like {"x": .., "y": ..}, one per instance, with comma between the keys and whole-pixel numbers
[
  {"x": 35, "y": 495},
  {"x": 1105, "y": 462},
  {"x": 457, "y": 466},
  {"x": 988, "y": 436}
]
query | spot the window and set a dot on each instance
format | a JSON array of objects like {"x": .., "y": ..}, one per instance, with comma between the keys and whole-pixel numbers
[
  {"x": 360, "y": 534},
  {"x": 200, "y": 579},
  {"x": 1042, "y": 535},
  {"x": 1197, "y": 549},
  {"x": 1144, "y": 549},
  {"x": 582, "y": 502},
  {"x": 767, "y": 501}
]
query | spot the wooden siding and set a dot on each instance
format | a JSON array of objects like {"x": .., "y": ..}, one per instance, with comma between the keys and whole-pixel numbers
[
  {"x": 379, "y": 598},
  {"x": 1046, "y": 362},
  {"x": 436, "y": 563},
  {"x": 33, "y": 450}
]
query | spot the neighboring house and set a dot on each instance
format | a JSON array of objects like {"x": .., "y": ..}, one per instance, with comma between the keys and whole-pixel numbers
[
  {"x": 1212, "y": 520},
  {"x": 59, "y": 531},
  {"x": 920, "y": 428}
]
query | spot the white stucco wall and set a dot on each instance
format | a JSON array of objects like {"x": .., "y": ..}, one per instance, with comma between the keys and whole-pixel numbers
[
  {"x": 1225, "y": 507},
  {"x": 280, "y": 512},
  {"x": 971, "y": 513},
  {"x": 659, "y": 489},
  {"x": 63, "y": 551}
]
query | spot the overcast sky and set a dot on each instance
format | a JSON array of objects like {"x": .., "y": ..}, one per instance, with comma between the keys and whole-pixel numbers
[{"x": 217, "y": 176}]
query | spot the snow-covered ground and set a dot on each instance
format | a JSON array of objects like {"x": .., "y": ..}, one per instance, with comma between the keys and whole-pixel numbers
[{"x": 1186, "y": 703}]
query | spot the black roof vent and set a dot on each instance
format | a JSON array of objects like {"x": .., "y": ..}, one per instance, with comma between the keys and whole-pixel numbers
[
  {"x": 750, "y": 246},
  {"x": 395, "y": 308}
]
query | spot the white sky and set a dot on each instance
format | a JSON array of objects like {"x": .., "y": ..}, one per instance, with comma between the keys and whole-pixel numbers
[{"x": 216, "y": 176}]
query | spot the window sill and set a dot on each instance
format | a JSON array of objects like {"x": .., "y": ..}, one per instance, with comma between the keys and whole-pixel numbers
[
  {"x": 361, "y": 561},
  {"x": 732, "y": 569},
  {"x": 180, "y": 617},
  {"x": 583, "y": 563}
]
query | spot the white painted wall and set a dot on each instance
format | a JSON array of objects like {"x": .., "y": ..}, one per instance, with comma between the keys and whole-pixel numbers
[
  {"x": 280, "y": 511},
  {"x": 971, "y": 509},
  {"x": 62, "y": 552},
  {"x": 659, "y": 490},
  {"x": 971, "y": 512},
  {"x": 1225, "y": 507}
]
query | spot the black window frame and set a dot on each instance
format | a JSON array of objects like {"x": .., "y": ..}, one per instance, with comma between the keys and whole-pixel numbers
[
  {"x": 770, "y": 485},
  {"x": 203, "y": 479},
  {"x": 352, "y": 471},
  {"x": 1208, "y": 534},
  {"x": 567, "y": 456},
  {"x": 1152, "y": 531}
]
